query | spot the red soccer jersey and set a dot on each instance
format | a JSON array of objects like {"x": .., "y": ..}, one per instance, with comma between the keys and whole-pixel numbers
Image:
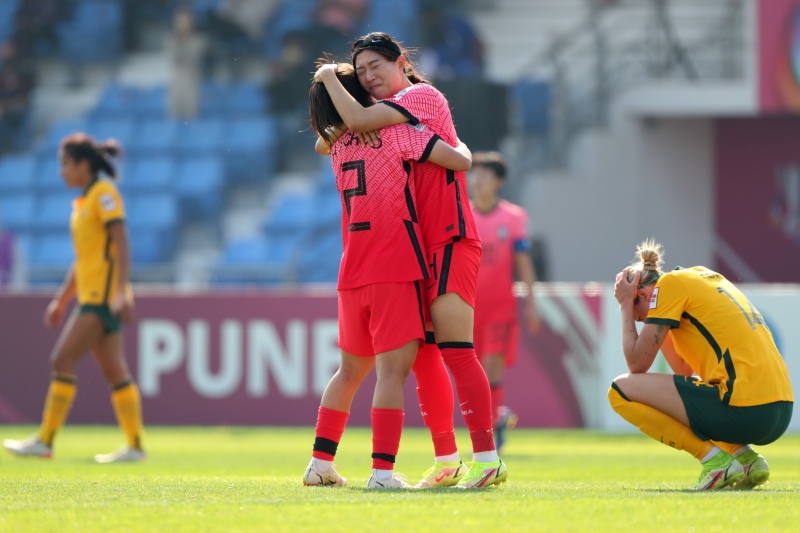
[
  {"x": 442, "y": 194},
  {"x": 504, "y": 231},
  {"x": 380, "y": 231}
]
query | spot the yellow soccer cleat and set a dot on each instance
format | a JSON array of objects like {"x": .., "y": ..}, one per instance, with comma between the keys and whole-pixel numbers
[
  {"x": 442, "y": 475},
  {"x": 756, "y": 470},
  {"x": 484, "y": 475},
  {"x": 719, "y": 472}
]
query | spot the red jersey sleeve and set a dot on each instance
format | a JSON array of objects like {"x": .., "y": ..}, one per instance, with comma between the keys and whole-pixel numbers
[{"x": 421, "y": 103}]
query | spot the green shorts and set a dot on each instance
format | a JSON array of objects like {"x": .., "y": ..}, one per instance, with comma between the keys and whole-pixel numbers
[
  {"x": 111, "y": 323},
  {"x": 710, "y": 419}
]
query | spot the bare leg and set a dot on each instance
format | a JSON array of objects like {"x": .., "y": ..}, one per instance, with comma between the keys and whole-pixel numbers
[
  {"x": 110, "y": 357},
  {"x": 344, "y": 384},
  {"x": 80, "y": 334},
  {"x": 392, "y": 368}
]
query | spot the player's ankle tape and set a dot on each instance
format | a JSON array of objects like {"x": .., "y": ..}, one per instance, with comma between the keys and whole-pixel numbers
[
  {"x": 324, "y": 445},
  {"x": 384, "y": 456},
  {"x": 456, "y": 345}
]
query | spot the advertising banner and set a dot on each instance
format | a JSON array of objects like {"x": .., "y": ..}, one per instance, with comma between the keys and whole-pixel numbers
[
  {"x": 265, "y": 357},
  {"x": 778, "y": 55},
  {"x": 758, "y": 199}
]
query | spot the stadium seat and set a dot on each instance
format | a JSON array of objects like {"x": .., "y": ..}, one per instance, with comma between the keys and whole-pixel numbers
[
  {"x": 48, "y": 175},
  {"x": 293, "y": 214},
  {"x": 327, "y": 210},
  {"x": 200, "y": 137},
  {"x": 200, "y": 185},
  {"x": 153, "y": 222},
  {"x": 256, "y": 260},
  {"x": 248, "y": 147},
  {"x": 53, "y": 212},
  {"x": 58, "y": 130},
  {"x": 154, "y": 174},
  {"x": 94, "y": 33},
  {"x": 116, "y": 101},
  {"x": 246, "y": 99},
  {"x": 151, "y": 103},
  {"x": 7, "y": 10},
  {"x": 320, "y": 262},
  {"x": 120, "y": 129},
  {"x": 17, "y": 173},
  {"x": 395, "y": 18},
  {"x": 155, "y": 136},
  {"x": 52, "y": 250},
  {"x": 289, "y": 17},
  {"x": 17, "y": 212}
]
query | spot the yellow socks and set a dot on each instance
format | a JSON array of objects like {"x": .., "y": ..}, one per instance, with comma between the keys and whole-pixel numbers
[
  {"x": 128, "y": 408},
  {"x": 727, "y": 447},
  {"x": 658, "y": 425},
  {"x": 59, "y": 400}
]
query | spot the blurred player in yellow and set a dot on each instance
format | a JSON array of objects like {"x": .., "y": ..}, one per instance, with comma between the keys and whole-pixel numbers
[
  {"x": 99, "y": 278},
  {"x": 705, "y": 326}
]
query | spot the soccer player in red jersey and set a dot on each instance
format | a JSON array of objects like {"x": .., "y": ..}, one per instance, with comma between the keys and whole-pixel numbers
[
  {"x": 453, "y": 256},
  {"x": 506, "y": 247},
  {"x": 381, "y": 311}
]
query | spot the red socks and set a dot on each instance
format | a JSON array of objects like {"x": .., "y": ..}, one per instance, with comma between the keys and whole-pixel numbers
[
  {"x": 330, "y": 426},
  {"x": 497, "y": 401},
  {"x": 387, "y": 427},
  {"x": 474, "y": 394},
  {"x": 435, "y": 393}
]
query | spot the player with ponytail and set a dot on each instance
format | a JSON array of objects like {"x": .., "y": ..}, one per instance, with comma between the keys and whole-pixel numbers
[
  {"x": 99, "y": 280},
  {"x": 385, "y": 70},
  {"x": 705, "y": 327}
]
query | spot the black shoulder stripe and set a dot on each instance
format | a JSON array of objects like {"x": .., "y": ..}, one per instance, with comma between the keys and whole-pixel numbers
[
  {"x": 405, "y": 112},
  {"x": 428, "y": 149}
]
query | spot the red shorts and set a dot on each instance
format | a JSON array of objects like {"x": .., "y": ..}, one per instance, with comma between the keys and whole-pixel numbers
[
  {"x": 380, "y": 317},
  {"x": 454, "y": 268},
  {"x": 497, "y": 338}
]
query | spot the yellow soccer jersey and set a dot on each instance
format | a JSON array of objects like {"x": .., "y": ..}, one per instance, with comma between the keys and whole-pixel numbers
[
  {"x": 95, "y": 253},
  {"x": 721, "y": 335}
]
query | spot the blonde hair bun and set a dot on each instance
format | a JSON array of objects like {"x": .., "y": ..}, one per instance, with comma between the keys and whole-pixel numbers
[{"x": 648, "y": 261}]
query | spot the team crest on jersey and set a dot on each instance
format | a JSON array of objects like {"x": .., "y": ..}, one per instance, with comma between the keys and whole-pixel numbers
[
  {"x": 107, "y": 202},
  {"x": 654, "y": 299},
  {"x": 502, "y": 233}
]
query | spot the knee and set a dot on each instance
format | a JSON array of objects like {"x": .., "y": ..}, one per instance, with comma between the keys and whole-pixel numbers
[{"x": 616, "y": 395}]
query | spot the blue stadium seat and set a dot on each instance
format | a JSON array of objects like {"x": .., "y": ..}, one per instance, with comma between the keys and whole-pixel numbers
[
  {"x": 200, "y": 186},
  {"x": 157, "y": 136},
  {"x": 291, "y": 16},
  {"x": 246, "y": 99},
  {"x": 7, "y": 10},
  {"x": 155, "y": 174},
  {"x": 158, "y": 211},
  {"x": 149, "y": 247},
  {"x": 52, "y": 250},
  {"x": 398, "y": 19},
  {"x": 53, "y": 212},
  {"x": 94, "y": 33},
  {"x": 200, "y": 137},
  {"x": 17, "y": 212},
  {"x": 153, "y": 221},
  {"x": 151, "y": 103},
  {"x": 121, "y": 129},
  {"x": 532, "y": 100},
  {"x": 327, "y": 210},
  {"x": 293, "y": 214},
  {"x": 17, "y": 173},
  {"x": 58, "y": 130},
  {"x": 48, "y": 175},
  {"x": 116, "y": 101},
  {"x": 256, "y": 260},
  {"x": 249, "y": 149},
  {"x": 320, "y": 262}
]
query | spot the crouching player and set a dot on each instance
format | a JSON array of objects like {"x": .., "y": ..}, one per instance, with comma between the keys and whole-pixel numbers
[
  {"x": 704, "y": 325},
  {"x": 506, "y": 248}
]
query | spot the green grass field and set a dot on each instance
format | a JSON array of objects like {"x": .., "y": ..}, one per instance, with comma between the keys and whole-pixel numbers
[{"x": 245, "y": 479}]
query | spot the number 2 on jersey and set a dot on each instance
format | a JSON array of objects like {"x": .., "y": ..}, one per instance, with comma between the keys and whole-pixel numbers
[{"x": 359, "y": 190}]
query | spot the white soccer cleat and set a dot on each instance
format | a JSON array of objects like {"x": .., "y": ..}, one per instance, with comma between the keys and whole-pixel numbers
[
  {"x": 719, "y": 472},
  {"x": 315, "y": 478},
  {"x": 30, "y": 447},
  {"x": 397, "y": 481},
  {"x": 756, "y": 470},
  {"x": 123, "y": 455}
]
